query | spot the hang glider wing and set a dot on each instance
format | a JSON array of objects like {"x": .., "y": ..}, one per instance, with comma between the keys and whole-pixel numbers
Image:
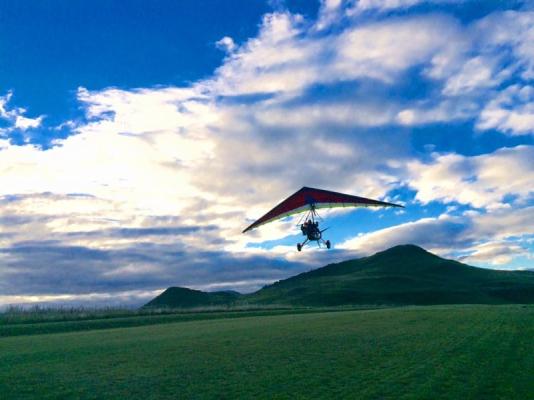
[{"x": 306, "y": 197}]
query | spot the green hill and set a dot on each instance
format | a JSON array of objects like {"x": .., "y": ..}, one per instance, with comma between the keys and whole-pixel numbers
[
  {"x": 178, "y": 297},
  {"x": 401, "y": 275}
]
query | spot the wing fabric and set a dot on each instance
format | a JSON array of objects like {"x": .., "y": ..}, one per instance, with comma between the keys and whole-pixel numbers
[{"x": 301, "y": 201}]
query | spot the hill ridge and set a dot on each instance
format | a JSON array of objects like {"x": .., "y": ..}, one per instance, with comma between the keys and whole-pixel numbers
[{"x": 401, "y": 275}]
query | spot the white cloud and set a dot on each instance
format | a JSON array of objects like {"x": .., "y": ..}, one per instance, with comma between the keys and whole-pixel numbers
[
  {"x": 287, "y": 57},
  {"x": 277, "y": 60},
  {"x": 126, "y": 298},
  {"x": 477, "y": 72},
  {"x": 4, "y": 112},
  {"x": 434, "y": 234},
  {"x": 495, "y": 253},
  {"x": 502, "y": 224},
  {"x": 445, "y": 111},
  {"x": 480, "y": 181},
  {"x": 381, "y": 5},
  {"x": 24, "y": 123},
  {"x": 116, "y": 171},
  {"x": 15, "y": 116},
  {"x": 513, "y": 29},
  {"x": 226, "y": 43},
  {"x": 511, "y": 111},
  {"x": 344, "y": 114},
  {"x": 329, "y": 13},
  {"x": 382, "y": 50}
]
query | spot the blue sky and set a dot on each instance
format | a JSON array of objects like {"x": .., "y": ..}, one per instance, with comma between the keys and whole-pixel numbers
[
  {"x": 138, "y": 139},
  {"x": 50, "y": 49}
]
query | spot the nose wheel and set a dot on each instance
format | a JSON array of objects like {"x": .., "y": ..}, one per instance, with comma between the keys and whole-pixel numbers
[
  {"x": 327, "y": 244},
  {"x": 299, "y": 247}
]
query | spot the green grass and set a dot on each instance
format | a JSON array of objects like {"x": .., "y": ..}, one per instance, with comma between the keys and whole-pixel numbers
[
  {"x": 18, "y": 322},
  {"x": 85, "y": 322},
  {"x": 19, "y": 315},
  {"x": 440, "y": 352}
]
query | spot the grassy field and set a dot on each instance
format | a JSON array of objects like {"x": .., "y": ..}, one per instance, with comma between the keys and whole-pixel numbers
[
  {"x": 59, "y": 322},
  {"x": 439, "y": 352}
]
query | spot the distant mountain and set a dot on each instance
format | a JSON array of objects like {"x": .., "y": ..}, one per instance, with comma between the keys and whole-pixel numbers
[{"x": 401, "y": 275}]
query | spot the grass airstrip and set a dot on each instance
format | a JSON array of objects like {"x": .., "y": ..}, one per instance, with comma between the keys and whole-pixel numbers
[{"x": 434, "y": 352}]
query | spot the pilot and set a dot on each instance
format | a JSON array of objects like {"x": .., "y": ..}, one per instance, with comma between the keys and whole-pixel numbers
[{"x": 304, "y": 227}]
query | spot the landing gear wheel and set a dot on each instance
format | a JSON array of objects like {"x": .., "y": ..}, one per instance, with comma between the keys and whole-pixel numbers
[
  {"x": 299, "y": 247},
  {"x": 327, "y": 244}
]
